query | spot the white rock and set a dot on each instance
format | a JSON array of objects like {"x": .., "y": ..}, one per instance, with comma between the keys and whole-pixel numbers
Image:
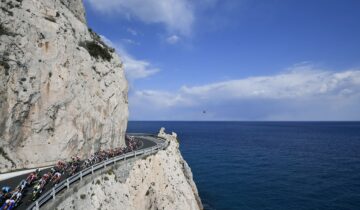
[
  {"x": 161, "y": 181},
  {"x": 56, "y": 100}
]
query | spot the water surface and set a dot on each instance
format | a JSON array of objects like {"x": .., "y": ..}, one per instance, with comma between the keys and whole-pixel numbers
[{"x": 270, "y": 165}]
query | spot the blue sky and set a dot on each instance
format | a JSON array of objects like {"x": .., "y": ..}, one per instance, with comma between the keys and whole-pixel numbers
[{"x": 236, "y": 59}]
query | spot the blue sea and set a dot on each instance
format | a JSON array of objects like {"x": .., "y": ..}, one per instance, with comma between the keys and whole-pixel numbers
[{"x": 270, "y": 165}]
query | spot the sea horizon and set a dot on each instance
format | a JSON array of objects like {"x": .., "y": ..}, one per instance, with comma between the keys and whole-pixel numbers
[
  {"x": 244, "y": 121},
  {"x": 269, "y": 165}
]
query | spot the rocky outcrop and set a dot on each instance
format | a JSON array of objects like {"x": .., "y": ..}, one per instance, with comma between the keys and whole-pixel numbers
[
  {"x": 76, "y": 7},
  {"x": 160, "y": 181},
  {"x": 62, "y": 90}
]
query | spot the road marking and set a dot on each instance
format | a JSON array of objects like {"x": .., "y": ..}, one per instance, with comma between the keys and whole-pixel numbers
[{"x": 19, "y": 173}]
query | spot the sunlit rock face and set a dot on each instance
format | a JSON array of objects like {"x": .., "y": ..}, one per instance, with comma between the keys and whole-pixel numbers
[
  {"x": 160, "y": 181},
  {"x": 62, "y": 90}
]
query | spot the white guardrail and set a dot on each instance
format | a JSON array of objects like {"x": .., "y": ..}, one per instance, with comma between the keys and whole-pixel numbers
[{"x": 51, "y": 194}]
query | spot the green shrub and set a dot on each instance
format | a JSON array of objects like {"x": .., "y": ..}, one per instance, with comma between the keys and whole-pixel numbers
[
  {"x": 110, "y": 172},
  {"x": 96, "y": 50},
  {"x": 98, "y": 39}
]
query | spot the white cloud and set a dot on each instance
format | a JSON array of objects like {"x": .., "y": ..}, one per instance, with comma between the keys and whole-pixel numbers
[
  {"x": 177, "y": 15},
  {"x": 130, "y": 41},
  {"x": 132, "y": 31},
  {"x": 303, "y": 92},
  {"x": 161, "y": 99},
  {"x": 300, "y": 82},
  {"x": 137, "y": 69},
  {"x": 173, "y": 39},
  {"x": 134, "y": 68}
]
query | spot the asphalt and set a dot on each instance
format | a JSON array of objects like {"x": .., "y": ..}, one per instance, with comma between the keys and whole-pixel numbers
[{"x": 26, "y": 200}]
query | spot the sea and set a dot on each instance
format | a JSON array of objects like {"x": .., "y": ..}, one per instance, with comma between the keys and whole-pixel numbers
[{"x": 270, "y": 165}]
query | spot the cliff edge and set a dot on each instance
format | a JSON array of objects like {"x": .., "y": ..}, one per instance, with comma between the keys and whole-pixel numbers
[
  {"x": 62, "y": 93},
  {"x": 160, "y": 181},
  {"x": 62, "y": 90}
]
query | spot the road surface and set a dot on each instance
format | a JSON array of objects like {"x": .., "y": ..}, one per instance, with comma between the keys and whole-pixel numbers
[{"x": 146, "y": 142}]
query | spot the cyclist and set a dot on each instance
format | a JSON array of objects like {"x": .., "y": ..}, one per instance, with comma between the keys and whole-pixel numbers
[
  {"x": 56, "y": 178},
  {"x": 37, "y": 191},
  {"x": 32, "y": 176},
  {"x": 46, "y": 176},
  {"x": 22, "y": 185},
  {"x": 5, "y": 193},
  {"x": 44, "y": 180},
  {"x": 8, "y": 205},
  {"x": 6, "y": 189},
  {"x": 16, "y": 196}
]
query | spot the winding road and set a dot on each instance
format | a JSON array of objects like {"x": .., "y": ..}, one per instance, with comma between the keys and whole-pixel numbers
[{"x": 146, "y": 141}]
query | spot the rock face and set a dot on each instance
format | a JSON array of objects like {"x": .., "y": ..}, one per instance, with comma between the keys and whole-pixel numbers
[
  {"x": 161, "y": 181},
  {"x": 62, "y": 90}
]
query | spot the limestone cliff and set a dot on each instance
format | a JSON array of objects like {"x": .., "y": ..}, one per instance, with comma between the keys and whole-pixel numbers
[
  {"x": 160, "y": 181},
  {"x": 62, "y": 90}
]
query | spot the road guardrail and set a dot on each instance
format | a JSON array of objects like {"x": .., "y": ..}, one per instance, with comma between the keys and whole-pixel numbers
[{"x": 51, "y": 194}]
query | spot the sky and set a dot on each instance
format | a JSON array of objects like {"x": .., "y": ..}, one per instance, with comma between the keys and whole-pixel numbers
[{"x": 237, "y": 60}]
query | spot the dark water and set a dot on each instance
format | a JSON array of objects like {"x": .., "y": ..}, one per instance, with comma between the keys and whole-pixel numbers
[{"x": 270, "y": 165}]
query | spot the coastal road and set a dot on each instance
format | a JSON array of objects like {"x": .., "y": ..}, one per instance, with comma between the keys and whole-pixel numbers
[{"x": 145, "y": 142}]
